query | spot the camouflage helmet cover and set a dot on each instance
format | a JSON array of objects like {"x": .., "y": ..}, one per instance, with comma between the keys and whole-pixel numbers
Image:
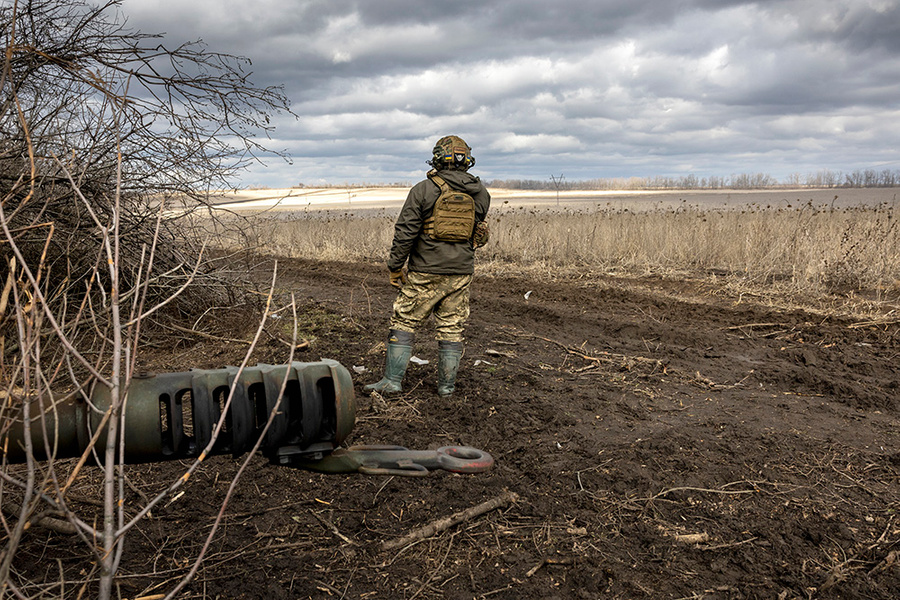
[{"x": 452, "y": 150}]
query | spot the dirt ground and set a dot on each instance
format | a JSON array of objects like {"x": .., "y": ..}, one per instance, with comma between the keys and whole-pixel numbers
[{"x": 664, "y": 440}]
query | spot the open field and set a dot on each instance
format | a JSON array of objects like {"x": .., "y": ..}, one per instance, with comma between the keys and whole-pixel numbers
[
  {"x": 810, "y": 244},
  {"x": 293, "y": 199},
  {"x": 692, "y": 403},
  {"x": 666, "y": 439}
]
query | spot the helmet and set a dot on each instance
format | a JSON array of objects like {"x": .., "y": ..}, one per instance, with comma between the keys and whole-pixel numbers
[{"x": 451, "y": 151}]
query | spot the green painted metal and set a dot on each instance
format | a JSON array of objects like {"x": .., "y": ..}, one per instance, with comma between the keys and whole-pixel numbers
[
  {"x": 175, "y": 415},
  {"x": 299, "y": 413}
]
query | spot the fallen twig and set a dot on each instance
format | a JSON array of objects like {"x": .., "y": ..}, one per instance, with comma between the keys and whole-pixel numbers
[
  {"x": 733, "y": 327},
  {"x": 691, "y": 538},
  {"x": 333, "y": 528},
  {"x": 602, "y": 356},
  {"x": 730, "y": 545},
  {"x": 875, "y": 323},
  {"x": 842, "y": 571},
  {"x": 890, "y": 560},
  {"x": 57, "y": 525},
  {"x": 445, "y": 523},
  {"x": 568, "y": 560},
  {"x": 697, "y": 489},
  {"x": 44, "y": 521}
]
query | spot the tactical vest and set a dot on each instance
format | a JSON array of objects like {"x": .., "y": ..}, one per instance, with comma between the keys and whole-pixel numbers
[{"x": 453, "y": 217}]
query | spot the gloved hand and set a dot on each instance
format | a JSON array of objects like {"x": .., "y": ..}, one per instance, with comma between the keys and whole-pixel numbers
[
  {"x": 398, "y": 278},
  {"x": 480, "y": 235}
]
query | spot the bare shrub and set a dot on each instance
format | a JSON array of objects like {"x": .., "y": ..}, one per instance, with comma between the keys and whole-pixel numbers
[
  {"x": 92, "y": 106},
  {"x": 104, "y": 130}
]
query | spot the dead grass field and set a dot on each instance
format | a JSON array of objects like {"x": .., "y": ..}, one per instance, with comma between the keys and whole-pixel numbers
[{"x": 837, "y": 247}]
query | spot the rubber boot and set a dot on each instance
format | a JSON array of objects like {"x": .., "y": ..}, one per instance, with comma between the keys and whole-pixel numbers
[
  {"x": 399, "y": 351},
  {"x": 449, "y": 354}
]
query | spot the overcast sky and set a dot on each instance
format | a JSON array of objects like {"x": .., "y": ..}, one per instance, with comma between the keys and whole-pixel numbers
[{"x": 581, "y": 88}]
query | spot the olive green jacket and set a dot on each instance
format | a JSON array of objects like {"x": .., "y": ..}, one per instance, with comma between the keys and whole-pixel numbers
[{"x": 417, "y": 249}]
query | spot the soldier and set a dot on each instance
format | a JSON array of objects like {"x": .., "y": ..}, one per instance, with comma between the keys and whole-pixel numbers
[{"x": 436, "y": 234}]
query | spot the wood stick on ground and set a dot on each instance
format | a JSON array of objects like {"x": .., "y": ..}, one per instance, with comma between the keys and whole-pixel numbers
[
  {"x": 550, "y": 561},
  {"x": 445, "y": 523},
  {"x": 57, "y": 525},
  {"x": 692, "y": 538},
  {"x": 734, "y": 327},
  {"x": 328, "y": 524},
  {"x": 602, "y": 356},
  {"x": 45, "y": 521}
]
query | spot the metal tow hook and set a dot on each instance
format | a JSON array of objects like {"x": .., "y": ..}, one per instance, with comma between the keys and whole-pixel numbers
[{"x": 397, "y": 460}]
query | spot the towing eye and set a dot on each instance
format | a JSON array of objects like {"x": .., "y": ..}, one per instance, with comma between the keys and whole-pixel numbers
[
  {"x": 397, "y": 460},
  {"x": 173, "y": 416}
]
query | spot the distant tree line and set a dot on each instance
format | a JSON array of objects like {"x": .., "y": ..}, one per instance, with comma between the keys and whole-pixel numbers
[
  {"x": 860, "y": 178},
  {"x": 345, "y": 185}
]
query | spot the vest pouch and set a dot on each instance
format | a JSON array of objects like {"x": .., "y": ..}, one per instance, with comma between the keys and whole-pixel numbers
[{"x": 453, "y": 218}]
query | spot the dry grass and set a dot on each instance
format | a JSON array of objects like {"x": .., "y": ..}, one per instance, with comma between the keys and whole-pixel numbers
[
  {"x": 805, "y": 250},
  {"x": 812, "y": 248},
  {"x": 325, "y": 235}
]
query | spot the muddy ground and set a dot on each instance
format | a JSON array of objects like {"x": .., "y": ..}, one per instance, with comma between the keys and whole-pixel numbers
[{"x": 663, "y": 440}]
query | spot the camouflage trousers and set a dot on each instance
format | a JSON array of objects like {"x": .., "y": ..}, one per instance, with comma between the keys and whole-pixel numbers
[{"x": 446, "y": 297}]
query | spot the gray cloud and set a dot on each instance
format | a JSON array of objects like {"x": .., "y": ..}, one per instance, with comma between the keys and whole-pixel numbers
[{"x": 610, "y": 88}]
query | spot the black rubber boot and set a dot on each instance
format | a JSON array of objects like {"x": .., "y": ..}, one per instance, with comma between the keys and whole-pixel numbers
[
  {"x": 399, "y": 351},
  {"x": 449, "y": 354}
]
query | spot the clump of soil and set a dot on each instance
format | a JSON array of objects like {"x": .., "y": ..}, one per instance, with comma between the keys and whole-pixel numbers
[{"x": 662, "y": 442}]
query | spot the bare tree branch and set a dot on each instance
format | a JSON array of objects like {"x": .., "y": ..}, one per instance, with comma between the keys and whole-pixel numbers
[{"x": 103, "y": 130}]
